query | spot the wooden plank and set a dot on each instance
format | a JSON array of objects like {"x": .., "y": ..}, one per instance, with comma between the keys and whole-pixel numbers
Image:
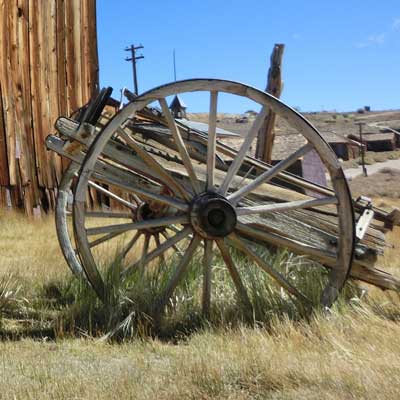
[
  {"x": 77, "y": 49},
  {"x": 53, "y": 92},
  {"x": 9, "y": 98},
  {"x": 27, "y": 160},
  {"x": 35, "y": 74},
  {"x": 70, "y": 57},
  {"x": 4, "y": 176},
  {"x": 61, "y": 58},
  {"x": 93, "y": 60}
]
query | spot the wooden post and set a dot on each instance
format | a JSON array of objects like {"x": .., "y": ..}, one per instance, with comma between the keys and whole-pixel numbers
[{"x": 266, "y": 134}]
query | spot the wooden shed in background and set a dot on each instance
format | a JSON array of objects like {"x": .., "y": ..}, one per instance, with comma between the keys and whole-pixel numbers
[{"x": 48, "y": 67}]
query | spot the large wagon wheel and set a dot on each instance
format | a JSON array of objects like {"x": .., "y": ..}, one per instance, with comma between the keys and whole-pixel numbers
[{"x": 217, "y": 205}]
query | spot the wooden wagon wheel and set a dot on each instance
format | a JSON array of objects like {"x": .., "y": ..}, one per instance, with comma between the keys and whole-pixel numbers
[
  {"x": 65, "y": 232},
  {"x": 220, "y": 206}
]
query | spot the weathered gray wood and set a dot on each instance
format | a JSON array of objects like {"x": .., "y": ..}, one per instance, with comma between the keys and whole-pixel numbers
[
  {"x": 266, "y": 135},
  {"x": 111, "y": 195},
  {"x": 104, "y": 238},
  {"x": 211, "y": 144},
  {"x": 240, "y": 156},
  {"x": 108, "y": 214},
  {"x": 285, "y": 206},
  {"x": 169, "y": 243},
  {"x": 154, "y": 165},
  {"x": 177, "y": 275},
  {"x": 63, "y": 234},
  {"x": 207, "y": 274},
  {"x": 268, "y": 175},
  {"x": 237, "y": 280},
  {"x": 180, "y": 144},
  {"x": 152, "y": 223}
]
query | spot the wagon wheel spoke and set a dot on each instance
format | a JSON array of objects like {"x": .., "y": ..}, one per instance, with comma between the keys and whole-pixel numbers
[
  {"x": 180, "y": 145},
  {"x": 130, "y": 245},
  {"x": 238, "y": 160},
  {"x": 138, "y": 191},
  {"x": 207, "y": 273},
  {"x": 211, "y": 144},
  {"x": 145, "y": 250},
  {"x": 158, "y": 244},
  {"x": 137, "y": 199},
  {"x": 237, "y": 280},
  {"x": 169, "y": 243},
  {"x": 104, "y": 238},
  {"x": 154, "y": 165},
  {"x": 107, "y": 214},
  {"x": 146, "y": 224},
  {"x": 244, "y": 248},
  {"x": 175, "y": 247},
  {"x": 286, "y": 206},
  {"x": 269, "y": 174},
  {"x": 177, "y": 275},
  {"x": 112, "y": 195}
]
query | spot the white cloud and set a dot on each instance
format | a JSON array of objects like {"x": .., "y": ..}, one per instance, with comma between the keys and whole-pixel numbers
[
  {"x": 396, "y": 24},
  {"x": 372, "y": 40}
]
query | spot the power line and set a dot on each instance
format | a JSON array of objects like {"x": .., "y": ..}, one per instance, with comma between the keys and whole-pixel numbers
[{"x": 133, "y": 59}]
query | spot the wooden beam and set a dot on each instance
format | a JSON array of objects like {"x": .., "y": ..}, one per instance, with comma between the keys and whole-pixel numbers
[{"x": 266, "y": 134}]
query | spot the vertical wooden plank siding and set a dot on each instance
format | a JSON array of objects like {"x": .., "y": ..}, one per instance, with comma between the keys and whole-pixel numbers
[{"x": 48, "y": 67}]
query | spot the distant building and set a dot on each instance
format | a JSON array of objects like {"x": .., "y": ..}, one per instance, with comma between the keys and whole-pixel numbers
[
  {"x": 310, "y": 166},
  {"x": 178, "y": 107},
  {"x": 377, "y": 141}
]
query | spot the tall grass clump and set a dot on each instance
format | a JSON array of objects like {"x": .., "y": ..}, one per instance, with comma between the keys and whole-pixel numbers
[
  {"x": 11, "y": 300},
  {"x": 129, "y": 309}
]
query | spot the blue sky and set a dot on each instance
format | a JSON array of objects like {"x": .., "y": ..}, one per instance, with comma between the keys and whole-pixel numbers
[{"x": 340, "y": 55}]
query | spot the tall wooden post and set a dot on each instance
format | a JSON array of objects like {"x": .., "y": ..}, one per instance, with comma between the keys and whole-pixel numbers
[{"x": 266, "y": 134}]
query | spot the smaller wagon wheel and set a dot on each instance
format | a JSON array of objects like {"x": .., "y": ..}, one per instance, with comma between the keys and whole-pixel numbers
[
  {"x": 66, "y": 235},
  {"x": 225, "y": 206}
]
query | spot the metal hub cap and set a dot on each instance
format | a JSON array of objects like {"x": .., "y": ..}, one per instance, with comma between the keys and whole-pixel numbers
[{"x": 212, "y": 216}]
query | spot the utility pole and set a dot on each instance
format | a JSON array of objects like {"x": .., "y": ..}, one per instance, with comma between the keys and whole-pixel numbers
[
  {"x": 133, "y": 58},
  {"x": 174, "y": 65},
  {"x": 364, "y": 168}
]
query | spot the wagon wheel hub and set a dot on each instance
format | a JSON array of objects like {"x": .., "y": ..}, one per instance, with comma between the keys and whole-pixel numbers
[
  {"x": 146, "y": 212},
  {"x": 212, "y": 215}
]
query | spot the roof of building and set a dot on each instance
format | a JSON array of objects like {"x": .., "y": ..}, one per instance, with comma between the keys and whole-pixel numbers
[
  {"x": 373, "y": 137},
  {"x": 287, "y": 143},
  {"x": 202, "y": 127},
  {"x": 177, "y": 102},
  {"x": 333, "y": 137}
]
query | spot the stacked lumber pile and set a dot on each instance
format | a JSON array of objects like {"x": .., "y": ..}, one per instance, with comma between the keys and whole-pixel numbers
[{"x": 48, "y": 67}]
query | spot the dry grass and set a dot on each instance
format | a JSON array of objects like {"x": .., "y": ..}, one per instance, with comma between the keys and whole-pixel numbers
[
  {"x": 340, "y": 357},
  {"x": 29, "y": 249},
  {"x": 350, "y": 353},
  {"x": 372, "y": 157},
  {"x": 384, "y": 183}
]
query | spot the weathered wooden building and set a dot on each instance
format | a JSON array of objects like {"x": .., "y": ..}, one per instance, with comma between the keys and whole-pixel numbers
[
  {"x": 178, "y": 107},
  {"x": 48, "y": 67},
  {"x": 377, "y": 141}
]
